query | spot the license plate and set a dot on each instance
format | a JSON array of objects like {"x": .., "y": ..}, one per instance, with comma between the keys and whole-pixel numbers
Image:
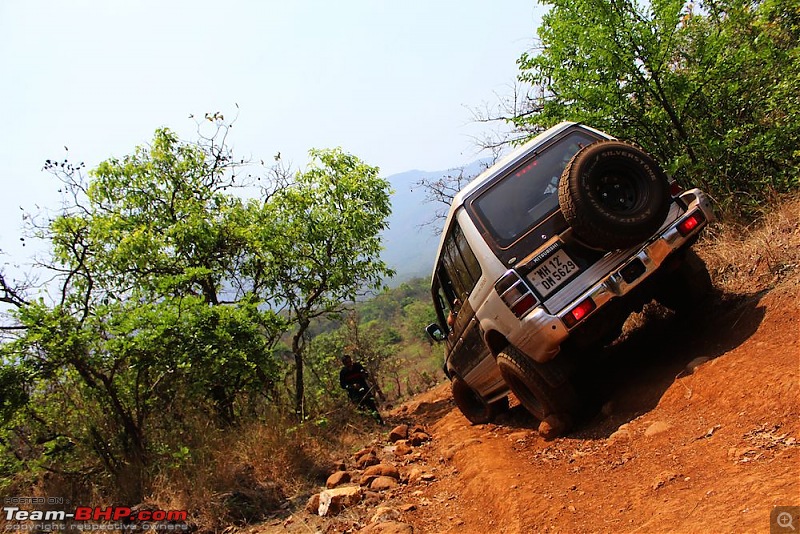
[{"x": 551, "y": 274}]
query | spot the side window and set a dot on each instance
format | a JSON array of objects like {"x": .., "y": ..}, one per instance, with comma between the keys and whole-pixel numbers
[
  {"x": 439, "y": 301},
  {"x": 460, "y": 263}
]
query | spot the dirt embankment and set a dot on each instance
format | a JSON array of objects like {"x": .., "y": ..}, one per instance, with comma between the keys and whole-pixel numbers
[{"x": 672, "y": 450}]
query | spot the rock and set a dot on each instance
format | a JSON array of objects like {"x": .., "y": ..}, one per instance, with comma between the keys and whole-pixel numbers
[
  {"x": 554, "y": 426},
  {"x": 366, "y": 460},
  {"x": 657, "y": 428},
  {"x": 413, "y": 475},
  {"x": 381, "y": 483},
  {"x": 337, "y": 479},
  {"x": 339, "y": 466},
  {"x": 663, "y": 479},
  {"x": 694, "y": 364},
  {"x": 408, "y": 507},
  {"x": 621, "y": 434},
  {"x": 333, "y": 501},
  {"x": 418, "y": 438},
  {"x": 402, "y": 448},
  {"x": 399, "y": 432},
  {"x": 385, "y": 513},
  {"x": 417, "y": 428},
  {"x": 371, "y": 498},
  {"x": 387, "y": 470},
  {"x": 312, "y": 506},
  {"x": 389, "y": 527},
  {"x": 363, "y": 452},
  {"x": 366, "y": 480}
]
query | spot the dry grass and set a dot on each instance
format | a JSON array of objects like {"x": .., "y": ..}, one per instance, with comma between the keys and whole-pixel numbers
[
  {"x": 237, "y": 475},
  {"x": 243, "y": 473},
  {"x": 746, "y": 259}
]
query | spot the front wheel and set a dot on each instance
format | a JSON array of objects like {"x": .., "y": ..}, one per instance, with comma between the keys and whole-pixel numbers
[
  {"x": 544, "y": 389},
  {"x": 473, "y": 405}
]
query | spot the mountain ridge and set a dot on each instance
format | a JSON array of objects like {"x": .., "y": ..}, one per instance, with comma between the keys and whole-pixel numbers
[{"x": 411, "y": 240}]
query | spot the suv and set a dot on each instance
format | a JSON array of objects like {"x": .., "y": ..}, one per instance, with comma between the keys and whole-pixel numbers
[{"x": 543, "y": 257}]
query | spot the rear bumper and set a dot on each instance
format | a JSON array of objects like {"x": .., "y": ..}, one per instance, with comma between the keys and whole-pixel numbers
[{"x": 541, "y": 333}]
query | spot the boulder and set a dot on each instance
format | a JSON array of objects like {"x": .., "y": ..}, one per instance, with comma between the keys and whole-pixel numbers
[
  {"x": 622, "y": 434},
  {"x": 399, "y": 432},
  {"x": 554, "y": 426},
  {"x": 387, "y": 470},
  {"x": 385, "y": 513},
  {"x": 381, "y": 483},
  {"x": 418, "y": 438},
  {"x": 657, "y": 428},
  {"x": 402, "y": 448},
  {"x": 337, "y": 479},
  {"x": 333, "y": 501},
  {"x": 312, "y": 506},
  {"x": 367, "y": 460}
]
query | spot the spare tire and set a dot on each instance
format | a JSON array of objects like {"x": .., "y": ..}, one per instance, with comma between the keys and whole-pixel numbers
[{"x": 613, "y": 195}]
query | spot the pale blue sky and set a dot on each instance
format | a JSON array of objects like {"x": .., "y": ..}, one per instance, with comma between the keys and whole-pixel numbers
[{"x": 388, "y": 81}]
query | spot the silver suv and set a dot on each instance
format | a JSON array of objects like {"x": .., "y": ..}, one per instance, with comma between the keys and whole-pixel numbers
[{"x": 543, "y": 257}]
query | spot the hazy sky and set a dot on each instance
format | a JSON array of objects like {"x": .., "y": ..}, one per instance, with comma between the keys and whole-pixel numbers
[{"x": 391, "y": 82}]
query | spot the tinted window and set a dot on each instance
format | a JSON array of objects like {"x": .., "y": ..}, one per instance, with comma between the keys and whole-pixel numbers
[
  {"x": 519, "y": 200},
  {"x": 460, "y": 263}
]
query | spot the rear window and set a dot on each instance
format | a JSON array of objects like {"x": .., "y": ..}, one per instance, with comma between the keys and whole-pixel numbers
[{"x": 518, "y": 201}]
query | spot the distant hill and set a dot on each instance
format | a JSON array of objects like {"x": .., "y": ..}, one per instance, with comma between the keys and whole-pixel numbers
[{"x": 410, "y": 244}]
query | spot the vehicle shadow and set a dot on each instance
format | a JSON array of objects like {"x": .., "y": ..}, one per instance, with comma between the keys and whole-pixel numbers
[{"x": 629, "y": 377}]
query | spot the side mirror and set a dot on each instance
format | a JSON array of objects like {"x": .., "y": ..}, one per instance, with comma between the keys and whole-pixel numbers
[{"x": 434, "y": 332}]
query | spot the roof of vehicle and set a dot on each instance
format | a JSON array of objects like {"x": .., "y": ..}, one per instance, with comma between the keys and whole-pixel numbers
[{"x": 504, "y": 163}]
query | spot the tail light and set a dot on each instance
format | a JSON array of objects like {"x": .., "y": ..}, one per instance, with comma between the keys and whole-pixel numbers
[
  {"x": 691, "y": 222},
  {"x": 515, "y": 293},
  {"x": 580, "y": 311}
]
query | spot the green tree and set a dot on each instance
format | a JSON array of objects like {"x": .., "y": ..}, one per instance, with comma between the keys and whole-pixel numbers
[
  {"x": 322, "y": 243},
  {"x": 157, "y": 312},
  {"x": 710, "y": 91}
]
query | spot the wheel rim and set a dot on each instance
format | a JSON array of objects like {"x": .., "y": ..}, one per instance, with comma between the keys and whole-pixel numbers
[{"x": 619, "y": 192}]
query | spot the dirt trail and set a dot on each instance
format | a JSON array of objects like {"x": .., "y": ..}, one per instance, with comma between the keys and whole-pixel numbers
[
  {"x": 714, "y": 450},
  {"x": 671, "y": 451}
]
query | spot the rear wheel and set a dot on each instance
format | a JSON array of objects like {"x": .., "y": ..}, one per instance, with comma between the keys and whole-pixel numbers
[
  {"x": 473, "y": 405},
  {"x": 613, "y": 195},
  {"x": 544, "y": 389}
]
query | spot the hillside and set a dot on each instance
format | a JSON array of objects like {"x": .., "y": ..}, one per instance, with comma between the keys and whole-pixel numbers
[
  {"x": 699, "y": 428},
  {"x": 410, "y": 241}
]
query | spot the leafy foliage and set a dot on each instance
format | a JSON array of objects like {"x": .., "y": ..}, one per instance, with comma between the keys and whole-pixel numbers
[
  {"x": 710, "y": 89},
  {"x": 172, "y": 296}
]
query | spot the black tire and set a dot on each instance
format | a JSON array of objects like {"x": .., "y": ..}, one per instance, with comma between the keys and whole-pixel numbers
[
  {"x": 473, "y": 406},
  {"x": 544, "y": 389},
  {"x": 613, "y": 195},
  {"x": 687, "y": 286}
]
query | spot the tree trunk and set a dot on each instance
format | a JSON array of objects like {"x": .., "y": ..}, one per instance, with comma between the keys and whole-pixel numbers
[{"x": 299, "y": 386}]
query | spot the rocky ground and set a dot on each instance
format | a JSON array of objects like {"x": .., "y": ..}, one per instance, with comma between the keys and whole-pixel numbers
[{"x": 697, "y": 429}]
